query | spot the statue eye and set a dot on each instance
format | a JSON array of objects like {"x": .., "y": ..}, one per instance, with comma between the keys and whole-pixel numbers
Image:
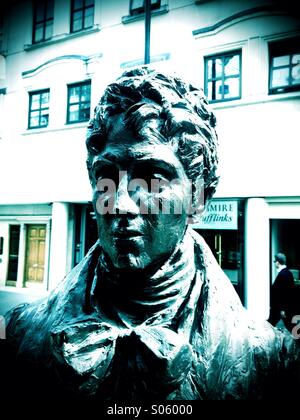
[
  {"x": 105, "y": 171},
  {"x": 152, "y": 172}
]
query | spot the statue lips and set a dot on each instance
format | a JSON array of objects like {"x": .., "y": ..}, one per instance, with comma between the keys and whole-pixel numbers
[{"x": 126, "y": 234}]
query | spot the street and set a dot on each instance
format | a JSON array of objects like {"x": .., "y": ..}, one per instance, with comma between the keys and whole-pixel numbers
[{"x": 10, "y": 298}]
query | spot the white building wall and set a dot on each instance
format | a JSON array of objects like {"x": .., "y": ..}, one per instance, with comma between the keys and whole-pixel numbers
[{"x": 106, "y": 47}]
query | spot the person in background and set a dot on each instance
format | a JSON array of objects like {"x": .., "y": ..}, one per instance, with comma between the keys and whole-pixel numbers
[{"x": 282, "y": 294}]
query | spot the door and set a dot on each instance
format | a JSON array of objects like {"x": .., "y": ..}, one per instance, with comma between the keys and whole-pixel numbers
[
  {"x": 35, "y": 255},
  {"x": 226, "y": 247},
  {"x": 3, "y": 252}
]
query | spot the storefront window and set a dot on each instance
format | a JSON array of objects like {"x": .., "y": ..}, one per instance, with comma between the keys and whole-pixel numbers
[{"x": 222, "y": 227}]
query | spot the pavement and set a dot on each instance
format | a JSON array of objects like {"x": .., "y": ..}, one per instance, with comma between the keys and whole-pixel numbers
[{"x": 9, "y": 297}]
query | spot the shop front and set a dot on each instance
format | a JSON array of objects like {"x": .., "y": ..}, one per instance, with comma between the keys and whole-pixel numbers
[{"x": 222, "y": 227}]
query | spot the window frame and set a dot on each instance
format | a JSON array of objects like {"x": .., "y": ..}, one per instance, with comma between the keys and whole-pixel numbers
[
  {"x": 285, "y": 47},
  {"x": 44, "y": 21},
  {"x": 74, "y": 85},
  {"x": 223, "y": 78},
  {"x": 155, "y": 5},
  {"x": 40, "y": 109},
  {"x": 83, "y": 8}
]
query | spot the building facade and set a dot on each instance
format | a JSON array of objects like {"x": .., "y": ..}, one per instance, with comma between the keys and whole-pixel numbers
[{"x": 57, "y": 56}]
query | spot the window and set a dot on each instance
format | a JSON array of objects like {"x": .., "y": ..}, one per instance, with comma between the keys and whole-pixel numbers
[
  {"x": 284, "y": 73},
  {"x": 42, "y": 20},
  {"x": 138, "y": 6},
  {"x": 79, "y": 98},
  {"x": 38, "y": 109},
  {"x": 82, "y": 15},
  {"x": 223, "y": 77}
]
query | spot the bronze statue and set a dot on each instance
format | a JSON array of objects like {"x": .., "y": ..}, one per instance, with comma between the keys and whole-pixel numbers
[{"x": 148, "y": 313}]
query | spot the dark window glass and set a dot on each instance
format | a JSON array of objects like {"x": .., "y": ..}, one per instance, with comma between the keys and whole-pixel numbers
[
  {"x": 14, "y": 240},
  {"x": 284, "y": 66},
  {"x": 79, "y": 102},
  {"x": 223, "y": 77},
  {"x": 82, "y": 15},
  {"x": 38, "y": 109},
  {"x": 42, "y": 20},
  {"x": 138, "y": 6}
]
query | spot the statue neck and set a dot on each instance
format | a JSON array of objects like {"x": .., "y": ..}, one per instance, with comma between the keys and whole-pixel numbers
[{"x": 132, "y": 298}]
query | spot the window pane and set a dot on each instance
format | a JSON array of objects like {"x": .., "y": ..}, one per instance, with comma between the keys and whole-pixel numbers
[
  {"x": 231, "y": 88},
  {"x": 50, "y": 8},
  {"x": 85, "y": 93},
  {"x": 74, "y": 95},
  {"x": 223, "y": 77},
  {"x": 77, "y": 21},
  {"x": 218, "y": 90},
  {"x": 214, "y": 68},
  {"x": 35, "y": 102},
  {"x": 296, "y": 69},
  {"x": 79, "y": 102},
  {"x": 78, "y": 4},
  {"x": 283, "y": 60},
  {"x": 280, "y": 77},
  {"x": 215, "y": 91},
  {"x": 296, "y": 58},
  {"x": 209, "y": 69},
  {"x": 285, "y": 65},
  {"x": 73, "y": 113},
  {"x": 296, "y": 74},
  {"x": 89, "y": 2},
  {"x": 39, "y": 109},
  {"x": 135, "y": 4},
  {"x": 85, "y": 112},
  {"x": 48, "y": 29},
  {"x": 89, "y": 17},
  {"x": 39, "y": 32},
  {"x": 209, "y": 91},
  {"x": 232, "y": 65},
  {"x": 44, "y": 118},
  {"x": 44, "y": 112},
  {"x": 78, "y": 15},
  {"x": 34, "y": 119},
  {"x": 44, "y": 98},
  {"x": 40, "y": 7},
  {"x": 218, "y": 68}
]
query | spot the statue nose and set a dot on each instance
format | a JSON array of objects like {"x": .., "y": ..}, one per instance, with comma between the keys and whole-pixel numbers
[{"x": 123, "y": 203}]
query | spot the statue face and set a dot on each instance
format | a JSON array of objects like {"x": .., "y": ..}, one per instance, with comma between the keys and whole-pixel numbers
[{"x": 138, "y": 226}]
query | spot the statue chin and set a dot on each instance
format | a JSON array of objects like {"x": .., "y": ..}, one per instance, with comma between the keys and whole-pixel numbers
[{"x": 132, "y": 262}]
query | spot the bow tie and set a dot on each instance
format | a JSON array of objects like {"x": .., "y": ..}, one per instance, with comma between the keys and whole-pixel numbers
[{"x": 102, "y": 359}]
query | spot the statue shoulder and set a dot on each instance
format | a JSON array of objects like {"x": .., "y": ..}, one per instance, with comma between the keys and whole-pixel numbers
[{"x": 20, "y": 320}]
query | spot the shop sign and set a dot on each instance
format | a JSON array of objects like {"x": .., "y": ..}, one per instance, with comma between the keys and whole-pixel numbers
[{"x": 220, "y": 214}]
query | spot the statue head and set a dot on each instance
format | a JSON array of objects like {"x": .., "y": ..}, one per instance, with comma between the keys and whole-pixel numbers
[{"x": 152, "y": 160}]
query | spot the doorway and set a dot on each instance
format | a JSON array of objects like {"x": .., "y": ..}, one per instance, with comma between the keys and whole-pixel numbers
[
  {"x": 35, "y": 255},
  {"x": 13, "y": 255},
  {"x": 285, "y": 234},
  {"x": 226, "y": 245}
]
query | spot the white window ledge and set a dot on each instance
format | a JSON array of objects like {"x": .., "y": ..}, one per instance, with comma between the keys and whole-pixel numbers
[
  {"x": 255, "y": 100},
  {"x": 61, "y": 37},
  {"x": 72, "y": 126}
]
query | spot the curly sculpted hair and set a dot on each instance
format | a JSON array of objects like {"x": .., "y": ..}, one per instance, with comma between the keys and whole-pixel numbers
[{"x": 183, "y": 119}]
